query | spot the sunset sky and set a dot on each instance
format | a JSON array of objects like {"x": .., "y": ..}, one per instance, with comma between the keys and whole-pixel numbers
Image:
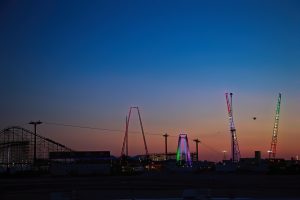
[{"x": 85, "y": 63}]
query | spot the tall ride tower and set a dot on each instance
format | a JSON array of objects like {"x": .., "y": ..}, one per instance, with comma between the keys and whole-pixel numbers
[
  {"x": 234, "y": 143},
  {"x": 272, "y": 151}
]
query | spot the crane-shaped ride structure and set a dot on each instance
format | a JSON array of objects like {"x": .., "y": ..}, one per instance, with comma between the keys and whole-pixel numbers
[
  {"x": 272, "y": 151},
  {"x": 234, "y": 142},
  {"x": 125, "y": 141}
]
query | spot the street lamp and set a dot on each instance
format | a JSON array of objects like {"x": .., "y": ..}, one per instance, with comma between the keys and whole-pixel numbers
[{"x": 166, "y": 145}]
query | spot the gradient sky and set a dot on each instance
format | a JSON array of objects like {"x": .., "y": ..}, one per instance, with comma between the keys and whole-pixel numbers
[{"x": 86, "y": 63}]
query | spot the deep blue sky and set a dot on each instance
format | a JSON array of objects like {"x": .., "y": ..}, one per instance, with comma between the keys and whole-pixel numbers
[{"x": 86, "y": 62}]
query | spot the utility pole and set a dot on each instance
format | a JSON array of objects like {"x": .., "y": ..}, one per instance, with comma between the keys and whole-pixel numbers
[
  {"x": 35, "y": 123},
  {"x": 197, "y": 150},
  {"x": 166, "y": 145}
]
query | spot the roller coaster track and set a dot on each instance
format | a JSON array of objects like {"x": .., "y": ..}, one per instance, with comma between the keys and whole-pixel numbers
[{"x": 16, "y": 146}]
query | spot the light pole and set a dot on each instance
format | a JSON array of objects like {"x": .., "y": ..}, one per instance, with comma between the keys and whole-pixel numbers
[
  {"x": 35, "y": 123},
  {"x": 166, "y": 145},
  {"x": 197, "y": 149}
]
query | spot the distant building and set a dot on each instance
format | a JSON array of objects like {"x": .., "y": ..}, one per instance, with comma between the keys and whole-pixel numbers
[
  {"x": 80, "y": 162},
  {"x": 158, "y": 157},
  {"x": 80, "y": 156}
]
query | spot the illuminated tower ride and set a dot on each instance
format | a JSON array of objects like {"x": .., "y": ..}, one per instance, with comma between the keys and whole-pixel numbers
[
  {"x": 272, "y": 151},
  {"x": 125, "y": 141},
  {"x": 183, "y": 156},
  {"x": 234, "y": 143}
]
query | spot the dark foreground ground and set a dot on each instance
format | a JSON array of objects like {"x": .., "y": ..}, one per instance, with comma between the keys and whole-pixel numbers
[{"x": 150, "y": 186}]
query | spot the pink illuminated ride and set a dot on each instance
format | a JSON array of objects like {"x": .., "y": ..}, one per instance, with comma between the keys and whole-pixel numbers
[{"x": 183, "y": 156}]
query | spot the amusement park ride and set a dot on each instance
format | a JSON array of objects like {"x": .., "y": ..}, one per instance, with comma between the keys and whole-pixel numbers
[
  {"x": 19, "y": 146},
  {"x": 125, "y": 141},
  {"x": 235, "y": 151},
  {"x": 272, "y": 151},
  {"x": 183, "y": 155}
]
